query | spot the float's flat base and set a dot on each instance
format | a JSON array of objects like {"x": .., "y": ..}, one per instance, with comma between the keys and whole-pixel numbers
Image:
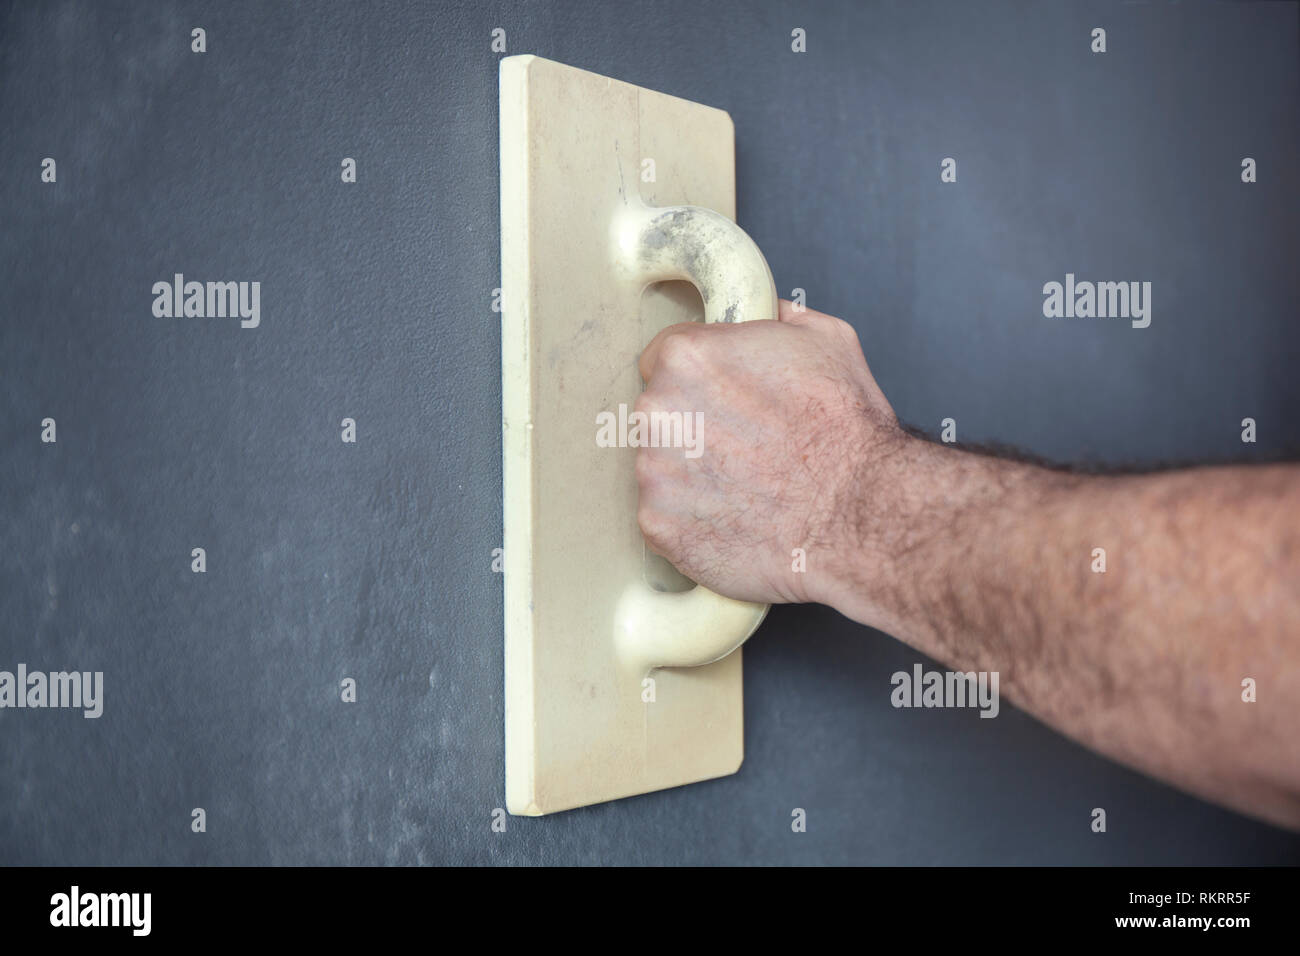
[{"x": 577, "y": 728}]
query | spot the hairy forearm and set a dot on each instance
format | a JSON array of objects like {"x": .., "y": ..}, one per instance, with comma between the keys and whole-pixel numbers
[{"x": 994, "y": 565}]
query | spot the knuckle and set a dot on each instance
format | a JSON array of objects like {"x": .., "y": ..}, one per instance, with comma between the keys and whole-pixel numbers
[
  {"x": 841, "y": 328},
  {"x": 650, "y": 523},
  {"x": 647, "y": 401},
  {"x": 681, "y": 349}
]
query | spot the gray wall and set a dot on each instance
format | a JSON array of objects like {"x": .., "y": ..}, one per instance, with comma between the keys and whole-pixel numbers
[{"x": 371, "y": 560}]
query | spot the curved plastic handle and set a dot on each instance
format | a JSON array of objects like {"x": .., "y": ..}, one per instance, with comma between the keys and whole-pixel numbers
[{"x": 654, "y": 244}]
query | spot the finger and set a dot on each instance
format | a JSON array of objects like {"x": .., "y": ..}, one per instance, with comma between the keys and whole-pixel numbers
[{"x": 650, "y": 354}]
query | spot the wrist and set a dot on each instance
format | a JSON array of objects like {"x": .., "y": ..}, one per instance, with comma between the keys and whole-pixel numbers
[
  {"x": 880, "y": 517},
  {"x": 918, "y": 521}
]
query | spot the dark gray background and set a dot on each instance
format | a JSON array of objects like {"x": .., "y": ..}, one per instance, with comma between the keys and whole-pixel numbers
[{"x": 372, "y": 560}]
